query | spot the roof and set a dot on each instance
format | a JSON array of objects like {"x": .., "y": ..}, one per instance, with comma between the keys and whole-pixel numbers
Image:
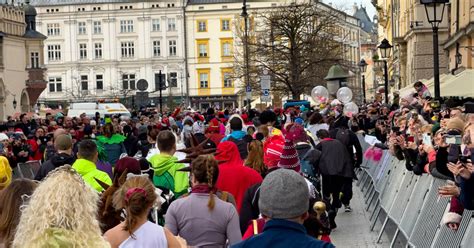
[
  {"x": 34, "y": 34},
  {"x": 76, "y": 2},
  {"x": 193, "y": 2},
  {"x": 366, "y": 24}
]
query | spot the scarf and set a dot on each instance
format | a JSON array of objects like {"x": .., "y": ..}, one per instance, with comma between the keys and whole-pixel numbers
[{"x": 202, "y": 188}]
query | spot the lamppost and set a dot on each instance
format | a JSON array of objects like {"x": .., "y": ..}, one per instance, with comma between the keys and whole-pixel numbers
[
  {"x": 336, "y": 79},
  {"x": 248, "y": 89},
  {"x": 363, "y": 66},
  {"x": 434, "y": 18},
  {"x": 385, "y": 50},
  {"x": 161, "y": 87}
]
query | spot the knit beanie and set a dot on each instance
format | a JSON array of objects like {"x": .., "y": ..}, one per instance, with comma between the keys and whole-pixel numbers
[
  {"x": 284, "y": 194},
  {"x": 3, "y": 137},
  {"x": 131, "y": 164},
  {"x": 296, "y": 133},
  {"x": 289, "y": 157},
  {"x": 456, "y": 123}
]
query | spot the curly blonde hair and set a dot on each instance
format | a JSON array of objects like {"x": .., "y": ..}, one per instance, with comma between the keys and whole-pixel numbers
[{"x": 62, "y": 212}]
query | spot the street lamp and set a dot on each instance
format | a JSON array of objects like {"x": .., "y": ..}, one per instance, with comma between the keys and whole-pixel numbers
[
  {"x": 14, "y": 102},
  {"x": 385, "y": 50},
  {"x": 248, "y": 89},
  {"x": 434, "y": 18},
  {"x": 363, "y": 67},
  {"x": 335, "y": 78},
  {"x": 458, "y": 58}
]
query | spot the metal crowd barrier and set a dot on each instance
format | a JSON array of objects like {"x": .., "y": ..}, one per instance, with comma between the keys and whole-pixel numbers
[
  {"x": 411, "y": 203},
  {"x": 26, "y": 170}
]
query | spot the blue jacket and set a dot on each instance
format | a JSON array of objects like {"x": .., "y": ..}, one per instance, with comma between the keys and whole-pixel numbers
[
  {"x": 285, "y": 234},
  {"x": 238, "y": 135}
]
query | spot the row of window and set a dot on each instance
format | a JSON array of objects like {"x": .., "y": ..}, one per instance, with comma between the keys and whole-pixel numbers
[
  {"x": 128, "y": 82},
  {"x": 170, "y": 5},
  {"x": 203, "y": 48},
  {"x": 202, "y": 25},
  {"x": 126, "y": 26},
  {"x": 204, "y": 78},
  {"x": 127, "y": 50}
]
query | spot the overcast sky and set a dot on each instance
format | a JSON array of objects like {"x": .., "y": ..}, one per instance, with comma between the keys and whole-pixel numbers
[{"x": 346, "y": 5}]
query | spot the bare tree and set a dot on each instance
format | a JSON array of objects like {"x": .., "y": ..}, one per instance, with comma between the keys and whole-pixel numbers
[
  {"x": 75, "y": 93},
  {"x": 296, "y": 43}
]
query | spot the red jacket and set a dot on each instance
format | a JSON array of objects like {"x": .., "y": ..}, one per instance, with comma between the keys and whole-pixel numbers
[
  {"x": 234, "y": 177},
  {"x": 37, "y": 153}
]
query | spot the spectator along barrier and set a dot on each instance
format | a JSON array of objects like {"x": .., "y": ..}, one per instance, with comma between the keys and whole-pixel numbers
[{"x": 411, "y": 203}]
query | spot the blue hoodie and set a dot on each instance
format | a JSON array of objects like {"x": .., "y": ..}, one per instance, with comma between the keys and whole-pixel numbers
[{"x": 238, "y": 135}]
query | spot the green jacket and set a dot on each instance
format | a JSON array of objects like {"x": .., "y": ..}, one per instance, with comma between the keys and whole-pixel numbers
[
  {"x": 167, "y": 176},
  {"x": 89, "y": 171}
]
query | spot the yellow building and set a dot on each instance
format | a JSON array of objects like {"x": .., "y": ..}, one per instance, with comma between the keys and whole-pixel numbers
[
  {"x": 21, "y": 60},
  {"x": 211, "y": 42}
]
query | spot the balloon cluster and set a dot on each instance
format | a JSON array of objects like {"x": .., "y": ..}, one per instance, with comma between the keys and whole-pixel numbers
[{"x": 344, "y": 97}]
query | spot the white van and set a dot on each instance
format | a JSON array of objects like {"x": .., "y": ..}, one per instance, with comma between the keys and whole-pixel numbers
[{"x": 90, "y": 108}]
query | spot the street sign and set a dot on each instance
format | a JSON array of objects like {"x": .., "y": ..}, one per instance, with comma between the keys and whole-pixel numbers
[
  {"x": 248, "y": 88},
  {"x": 265, "y": 82},
  {"x": 142, "y": 85},
  {"x": 265, "y": 98}
]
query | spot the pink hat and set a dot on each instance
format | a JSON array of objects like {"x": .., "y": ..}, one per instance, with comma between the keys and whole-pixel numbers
[
  {"x": 296, "y": 133},
  {"x": 289, "y": 157}
]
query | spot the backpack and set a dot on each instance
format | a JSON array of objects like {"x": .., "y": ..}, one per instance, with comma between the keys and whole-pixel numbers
[
  {"x": 308, "y": 171},
  {"x": 241, "y": 145},
  {"x": 343, "y": 135}
]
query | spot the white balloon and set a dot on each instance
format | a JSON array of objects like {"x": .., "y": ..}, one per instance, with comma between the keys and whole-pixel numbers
[
  {"x": 344, "y": 94},
  {"x": 319, "y": 94},
  {"x": 350, "y": 109}
]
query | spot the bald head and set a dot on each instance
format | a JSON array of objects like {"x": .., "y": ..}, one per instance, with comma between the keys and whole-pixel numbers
[
  {"x": 58, "y": 132},
  {"x": 63, "y": 142}
]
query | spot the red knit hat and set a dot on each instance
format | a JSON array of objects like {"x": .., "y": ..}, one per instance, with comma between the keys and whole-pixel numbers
[{"x": 289, "y": 157}]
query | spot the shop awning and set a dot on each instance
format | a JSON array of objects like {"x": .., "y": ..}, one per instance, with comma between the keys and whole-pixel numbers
[{"x": 461, "y": 84}]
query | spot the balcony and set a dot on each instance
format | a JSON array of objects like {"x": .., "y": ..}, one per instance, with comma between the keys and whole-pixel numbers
[
  {"x": 36, "y": 75},
  {"x": 35, "y": 84}
]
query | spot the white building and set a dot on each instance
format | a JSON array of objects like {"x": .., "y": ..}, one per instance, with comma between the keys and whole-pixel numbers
[{"x": 99, "y": 49}]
